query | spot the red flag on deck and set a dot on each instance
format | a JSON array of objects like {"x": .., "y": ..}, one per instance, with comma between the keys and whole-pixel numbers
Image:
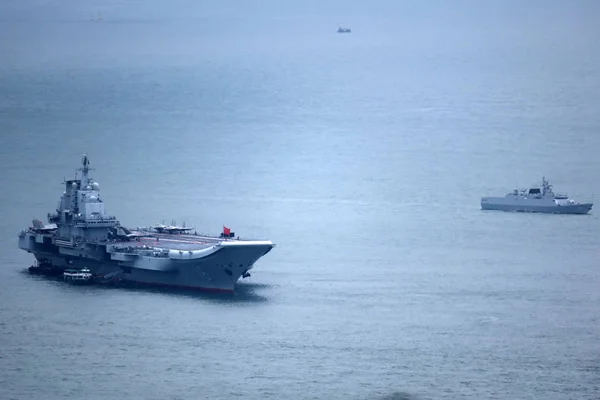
[{"x": 226, "y": 231}]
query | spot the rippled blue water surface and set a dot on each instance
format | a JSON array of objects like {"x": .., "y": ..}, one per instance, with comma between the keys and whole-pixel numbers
[{"x": 363, "y": 156}]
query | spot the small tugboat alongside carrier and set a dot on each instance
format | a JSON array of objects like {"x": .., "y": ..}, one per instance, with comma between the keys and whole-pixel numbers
[
  {"x": 44, "y": 267},
  {"x": 78, "y": 277}
]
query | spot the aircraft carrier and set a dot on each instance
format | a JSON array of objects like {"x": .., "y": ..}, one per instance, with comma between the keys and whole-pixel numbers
[{"x": 81, "y": 235}]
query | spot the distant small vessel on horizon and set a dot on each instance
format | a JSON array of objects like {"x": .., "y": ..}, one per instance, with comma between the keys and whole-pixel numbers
[
  {"x": 98, "y": 18},
  {"x": 343, "y": 30},
  {"x": 536, "y": 199}
]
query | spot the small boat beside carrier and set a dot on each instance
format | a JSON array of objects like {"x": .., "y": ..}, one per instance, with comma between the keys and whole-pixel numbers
[
  {"x": 43, "y": 267},
  {"x": 536, "y": 199},
  {"x": 78, "y": 276}
]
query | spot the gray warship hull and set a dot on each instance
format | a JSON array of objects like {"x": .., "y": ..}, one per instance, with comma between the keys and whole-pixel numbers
[
  {"x": 82, "y": 235},
  {"x": 500, "y": 204},
  {"x": 536, "y": 200},
  {"x": 182, "y": 261}
]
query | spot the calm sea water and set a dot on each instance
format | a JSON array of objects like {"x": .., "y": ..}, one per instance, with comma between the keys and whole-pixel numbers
[{"x": 363, "y": 156}]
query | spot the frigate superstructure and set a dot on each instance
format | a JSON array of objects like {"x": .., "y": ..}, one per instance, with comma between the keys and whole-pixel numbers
[
  {"x": 80, "y": 234},
  {"x": 536, "y": 199}
]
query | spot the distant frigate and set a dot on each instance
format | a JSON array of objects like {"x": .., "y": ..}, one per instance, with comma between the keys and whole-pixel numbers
[
  {"x": 81, "y": 235},
  {"x": 536, "y": 199}
]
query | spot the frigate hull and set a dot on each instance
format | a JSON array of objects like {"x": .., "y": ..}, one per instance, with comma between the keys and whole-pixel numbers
[
  {"x": 547, "y": 207},
  {"x": 536, "y": 200}
]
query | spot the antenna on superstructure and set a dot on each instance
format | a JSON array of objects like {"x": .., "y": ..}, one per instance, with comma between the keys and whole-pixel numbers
[{"x": 85, "y": 162}]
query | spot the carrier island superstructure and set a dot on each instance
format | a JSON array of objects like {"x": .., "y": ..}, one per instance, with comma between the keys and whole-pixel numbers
[{"x": 80, "y": 234}]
